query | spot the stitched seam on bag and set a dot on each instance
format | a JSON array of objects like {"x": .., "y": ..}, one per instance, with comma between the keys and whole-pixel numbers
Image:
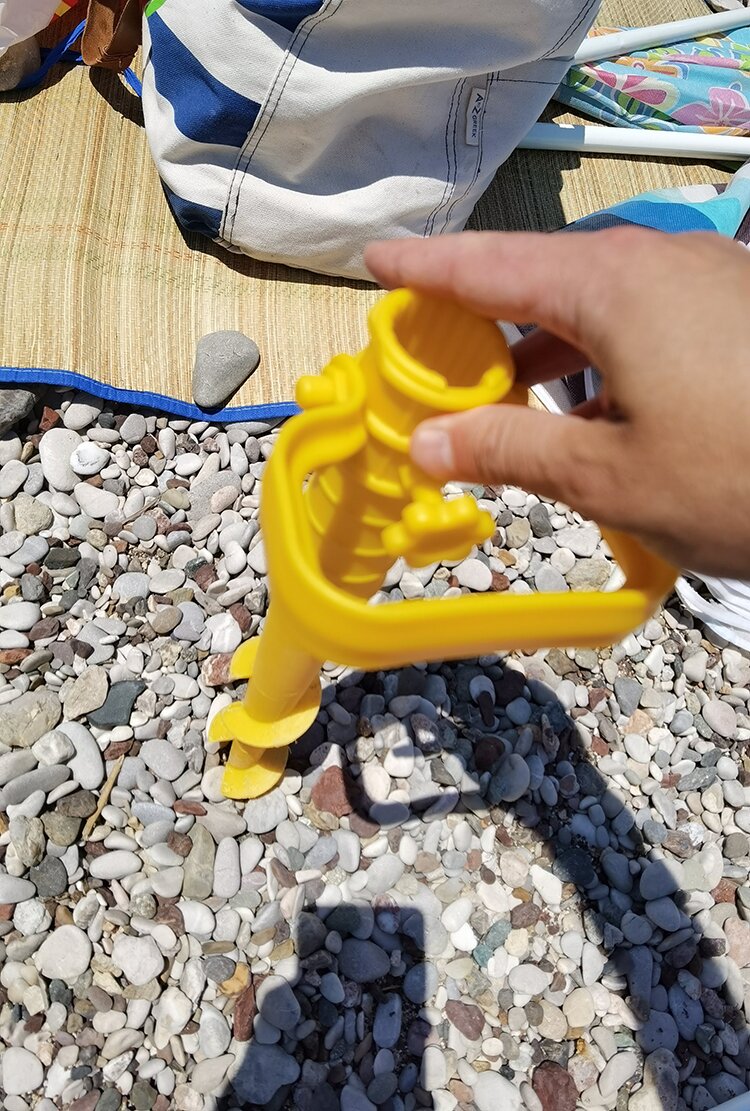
[
  {"x": 528, "y": 81},
  {"x": 245, "y": 157},
  {"x": 450, "y": 170},
  {"x": 470, "y": 185},
  {"x": 573, "y": 27}
]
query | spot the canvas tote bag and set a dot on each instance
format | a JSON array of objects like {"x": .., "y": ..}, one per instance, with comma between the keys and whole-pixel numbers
[{"x": 296, "y": 131}]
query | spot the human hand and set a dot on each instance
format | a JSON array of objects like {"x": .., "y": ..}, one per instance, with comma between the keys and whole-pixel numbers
[{"x": 664, "y": 452}]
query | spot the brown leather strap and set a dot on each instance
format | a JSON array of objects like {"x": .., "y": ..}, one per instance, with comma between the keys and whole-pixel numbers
[{"x": 113, "y": 33}]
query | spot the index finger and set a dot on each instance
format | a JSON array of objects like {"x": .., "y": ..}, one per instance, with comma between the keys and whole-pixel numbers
[{"x": 517, "y": 276}]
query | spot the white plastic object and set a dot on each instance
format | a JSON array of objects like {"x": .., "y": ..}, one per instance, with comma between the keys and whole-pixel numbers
[
  {"x": 598, "y": 47},
  {"x": 636, "y": 141}
]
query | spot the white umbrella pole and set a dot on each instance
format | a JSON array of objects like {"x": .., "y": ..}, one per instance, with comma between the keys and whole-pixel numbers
[
  {"x": 598, "y": 47},
  {"x": 636, "y": 141}
]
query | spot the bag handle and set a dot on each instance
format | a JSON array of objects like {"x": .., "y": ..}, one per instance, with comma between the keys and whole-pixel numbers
[{"x": 113, "y": 33}]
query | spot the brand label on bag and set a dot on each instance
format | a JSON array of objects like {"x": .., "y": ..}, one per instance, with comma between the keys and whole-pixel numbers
[{"x": 474, "y": 113}]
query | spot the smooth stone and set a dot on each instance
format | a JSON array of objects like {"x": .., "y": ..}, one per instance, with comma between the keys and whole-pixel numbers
[
  {"x": 55, "y": 449},
  {"x": 227, "y": 874},
  {"x": 115, "y": 865},
  {"x": 208, "y": 1076},
  {"x": 131, "y": 586},
  {"x": 548, "y": 580},
  {"x": 527, "y": 979},
  {"x": 13, "y": 889},
  {"x": 138, "y": 958},
  {"x": 88, "y": 459},
  {"x": 40, "y": 779},
  {"x": 96, "y": 502},
  {"x": 266, "y": 813},
  {"x": 13, "y": 764},
  {"x": 578, "y": 1008},
  {"x": 277, "y": 1003},
  {"x": 118, "y": 705},
  {"x": 199, "y": 865},
  {"x": 214, "y": 1034},
  {"x": 163, "y": 759},
  {"x": 421, "y": 983},
  {"x": 511, "y": 780},
  {"x": 192, "y": 623},
  {"x": 87, "y": 765},
  {"x": 721, "y": 717},
  {"x": 363, "y": 962},
  {"x": 22, "y": 1071},
  {"x": 616, "y": 1073},
  {"x": 133, "y": 428},
  {"x": 265, "y": 1069},
  {"x": 223, "y": 363},
  {"x": 659, "y": 1032},
  {"x": 659, "y": 879},
  {"x": 664, "y": 914},
  {"x": 12, "y": 477},
  {"x": 64, "y": 955},
  {"x": 638, "y": 748},
  {"x": 474, "y": 574},
  {"x": 82, "y": 411},
  {"x": 386, "y": 1028},
  {"x": 493, "y": 1092},
  {"x": 19, "y": 616}
]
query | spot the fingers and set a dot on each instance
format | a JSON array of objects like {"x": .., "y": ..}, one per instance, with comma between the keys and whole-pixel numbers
[
  {"x": 563, "y": 458},
  {"x": 519, "y": 277}
]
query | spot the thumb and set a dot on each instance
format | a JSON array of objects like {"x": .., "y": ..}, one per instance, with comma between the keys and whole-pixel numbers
[{"x": 565, "y": 458}]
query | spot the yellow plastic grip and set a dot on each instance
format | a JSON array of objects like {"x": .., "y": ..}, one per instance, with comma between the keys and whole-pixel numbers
[{"x": 329, "y": 543}]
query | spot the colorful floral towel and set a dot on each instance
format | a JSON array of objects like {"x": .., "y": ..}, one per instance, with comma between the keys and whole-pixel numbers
[{"x": 701, "y": 85}]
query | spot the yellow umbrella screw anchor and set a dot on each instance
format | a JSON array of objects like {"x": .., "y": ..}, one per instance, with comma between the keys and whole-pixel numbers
[{"x": 329, "y": 544}]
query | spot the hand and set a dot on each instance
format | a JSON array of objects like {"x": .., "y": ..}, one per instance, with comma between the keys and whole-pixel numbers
[{"x": 664, "y": 452}]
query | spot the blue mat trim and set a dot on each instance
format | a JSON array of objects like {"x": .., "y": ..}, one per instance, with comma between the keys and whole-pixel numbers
[{"x": 140, "y": 399}]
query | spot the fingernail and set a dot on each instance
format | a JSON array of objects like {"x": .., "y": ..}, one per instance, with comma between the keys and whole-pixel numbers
[{"x": 432, "y": 450}]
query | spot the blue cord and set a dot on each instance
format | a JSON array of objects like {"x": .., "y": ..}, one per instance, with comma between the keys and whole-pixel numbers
[
  {"x": 55, "y": 55},
  {"x": 62, "y": 52},
  {"x": 134, "y": 83}
]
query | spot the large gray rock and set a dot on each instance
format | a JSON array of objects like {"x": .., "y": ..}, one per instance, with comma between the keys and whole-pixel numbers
[
  {"x": 26, "y": 719},
  {"x": 223, "y": 362},
  {"x": 264, "y": 1069},
  {"x": 19, "y": 60}
]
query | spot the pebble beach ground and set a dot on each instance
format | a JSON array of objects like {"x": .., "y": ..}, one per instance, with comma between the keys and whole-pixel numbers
[{"x": 507, "y": 884}]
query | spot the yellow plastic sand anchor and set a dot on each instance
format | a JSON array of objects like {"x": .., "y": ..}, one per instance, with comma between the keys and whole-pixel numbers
[{"x": 329, "y": 544}]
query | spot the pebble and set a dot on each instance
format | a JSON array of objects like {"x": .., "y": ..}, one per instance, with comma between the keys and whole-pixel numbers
[
  {"x": 22, "y": 1072},
  {"x": 20, "y": 616},
  {"x": 223, "y": 363},
  {"x": 473, "y": 574},
  {"x": 277, "y": 1003},
  {"x": 265, "y": 1069},
  {"x": 138, "y": 958},
  {"x": 266, "y": 813},
  {"x": 65, "y": 954},
  {"x": 56, "y": 448},
  {"x": 13, "y": 889},
  {"x": 363, "y": 962},
  {"x": 163, "y": 759},
  {"x": 720, "y": 717},
  {"x": 94, "y": 501}
]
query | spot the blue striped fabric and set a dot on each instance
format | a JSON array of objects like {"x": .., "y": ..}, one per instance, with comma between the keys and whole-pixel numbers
[
  {"x": 205, "y": 110},
  {"x": 287, "y": 13},
  {"x": 193, "y": 216}
]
